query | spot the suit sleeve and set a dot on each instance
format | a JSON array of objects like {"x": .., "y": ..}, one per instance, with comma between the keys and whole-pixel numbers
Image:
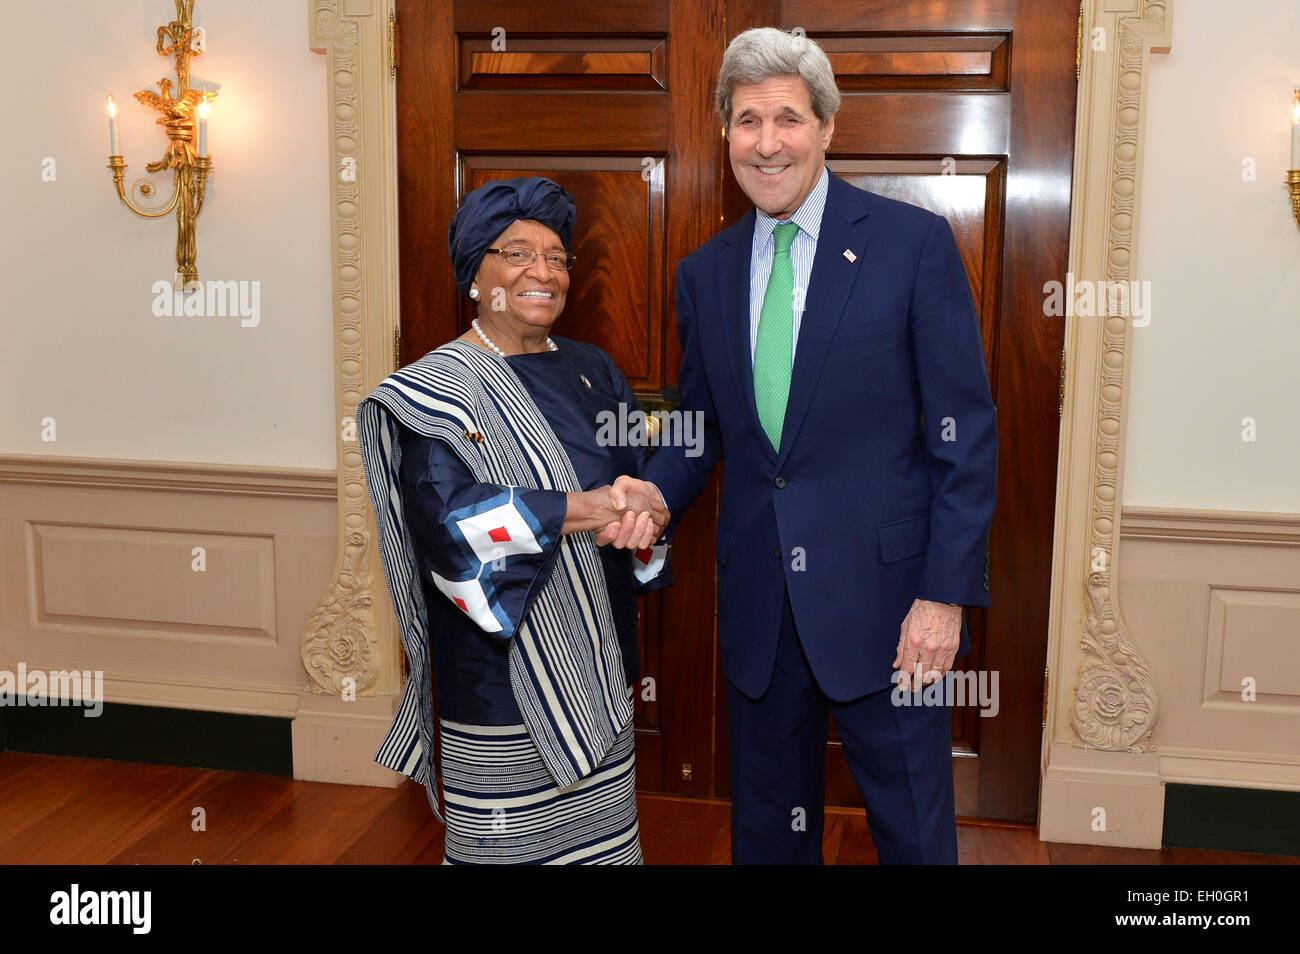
[
  {"x": 960, "y": 423},
  {"x": 681, "y": 471}
]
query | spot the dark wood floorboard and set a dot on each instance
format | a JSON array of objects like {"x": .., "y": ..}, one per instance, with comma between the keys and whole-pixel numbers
[
  {"x": 680, "y": 831},
  {"x": 236, "y": 806},
  {"x": 993, "y": 844},
  {"x": 319, "y": 826},
  {"x": 115, "y": 805},
  {"x": 405, "y": 833},
  {"x": 1063, "y": 854},
  {"x": 61, "y": 810}
]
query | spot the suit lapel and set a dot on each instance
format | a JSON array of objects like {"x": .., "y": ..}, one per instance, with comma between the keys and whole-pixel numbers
[
  {"x": 844, "y": 227},
  {"x": 733, "y": 293}
]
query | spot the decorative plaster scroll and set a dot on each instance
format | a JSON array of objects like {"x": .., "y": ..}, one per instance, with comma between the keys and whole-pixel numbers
[
  {"x": 339, "y": 646},
  {"x": 1115, "y": 698}
]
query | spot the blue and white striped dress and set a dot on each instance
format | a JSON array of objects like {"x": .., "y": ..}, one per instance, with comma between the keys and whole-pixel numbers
[
  {"x": 504, "y": 807},
  {"x": 533, "y": 633}
]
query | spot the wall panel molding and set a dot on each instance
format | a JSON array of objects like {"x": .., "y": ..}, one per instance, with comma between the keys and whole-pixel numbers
[
  {"x": 1216, "y": 597},
  {"x": 1101, "y": 695},
  {"x": 101, "y": 577},
  {"x": 350, "y": 641},
  {"x": 240, "y": 479},
  {"x": 85, "y": 578},
  {"x": 1231, "y": 526}
]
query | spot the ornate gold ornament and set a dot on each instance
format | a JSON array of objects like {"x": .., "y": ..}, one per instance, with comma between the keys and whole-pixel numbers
[
  {"x": 1293, "y": 183},
  {"x": 186, "y": 157}
]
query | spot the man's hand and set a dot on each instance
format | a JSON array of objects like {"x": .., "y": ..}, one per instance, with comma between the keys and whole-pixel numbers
[
  {"x": 644, "y": 515},
  {"x": 927, "y": 643}
]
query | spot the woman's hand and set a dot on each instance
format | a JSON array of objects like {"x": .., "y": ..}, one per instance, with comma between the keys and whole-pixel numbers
[
  {"x": 644, "y": 515},
  {"x": 633, "y": 518}
]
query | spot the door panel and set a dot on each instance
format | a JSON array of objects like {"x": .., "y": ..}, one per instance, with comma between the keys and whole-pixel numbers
[{"x": 616, "y": 300}]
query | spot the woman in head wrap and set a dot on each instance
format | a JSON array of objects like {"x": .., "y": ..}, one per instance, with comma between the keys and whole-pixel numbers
[{"x": 487, "y": 480}]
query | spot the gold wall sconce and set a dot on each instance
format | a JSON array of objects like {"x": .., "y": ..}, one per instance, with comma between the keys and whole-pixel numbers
[
  {"x": 1293, "y": 174},
  {"x": 187, "y": 158}
]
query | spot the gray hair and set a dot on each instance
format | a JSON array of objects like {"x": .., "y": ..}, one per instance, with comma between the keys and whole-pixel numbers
[{"x": 763, "y": 52}]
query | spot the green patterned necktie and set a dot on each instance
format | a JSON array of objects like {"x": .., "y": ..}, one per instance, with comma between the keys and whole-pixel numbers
[{"x": 774, "y": 350}]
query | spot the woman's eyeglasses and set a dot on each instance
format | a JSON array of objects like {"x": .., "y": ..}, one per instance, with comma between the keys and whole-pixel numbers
[{"x": 559, "y": 261}]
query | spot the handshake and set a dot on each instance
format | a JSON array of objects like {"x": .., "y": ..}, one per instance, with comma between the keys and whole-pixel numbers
[{"x": 633, "y": 517}]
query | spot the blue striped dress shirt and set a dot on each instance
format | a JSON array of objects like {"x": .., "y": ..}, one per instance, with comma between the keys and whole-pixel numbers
[{"x": 809, "y": 219}]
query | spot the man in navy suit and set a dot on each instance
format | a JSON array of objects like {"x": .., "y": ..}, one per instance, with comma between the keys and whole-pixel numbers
[{"x": 831, "y": 345}]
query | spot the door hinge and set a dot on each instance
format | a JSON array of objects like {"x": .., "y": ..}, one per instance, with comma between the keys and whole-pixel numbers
[
  {"x": 397, "y": 348},
  {"x": 1060, "y": 403},
  {"x": 393, "y": 37},
  {"x": 1046, "y": 678}
]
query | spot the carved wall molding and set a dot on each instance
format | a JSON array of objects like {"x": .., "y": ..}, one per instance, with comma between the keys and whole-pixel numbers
[
  {"x": 1102, "y": 702},
  {"x": 348, "y": 643},
  {"x": 1115, "y": 699}
]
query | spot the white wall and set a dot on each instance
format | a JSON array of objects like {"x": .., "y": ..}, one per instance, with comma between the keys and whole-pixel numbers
[
  {"x": 80, "y": 341},
  {"x": 1223, "y": 259}
]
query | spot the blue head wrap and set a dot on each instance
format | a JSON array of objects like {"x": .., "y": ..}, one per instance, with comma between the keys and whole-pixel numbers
[{"x": 489, "y": 210}]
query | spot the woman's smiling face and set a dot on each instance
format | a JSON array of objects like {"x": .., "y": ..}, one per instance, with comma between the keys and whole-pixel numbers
[{"x": 532, "y": 295}]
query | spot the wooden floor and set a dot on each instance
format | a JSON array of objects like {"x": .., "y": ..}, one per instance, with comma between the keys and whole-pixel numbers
[{"x": 58, "y": 810}]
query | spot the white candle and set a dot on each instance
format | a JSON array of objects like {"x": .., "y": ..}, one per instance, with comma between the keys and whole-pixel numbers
[
  {"x": 204, "y": 109},
  {"x": 1295, "y": 130},
  {"x": 111, "y": 107}
]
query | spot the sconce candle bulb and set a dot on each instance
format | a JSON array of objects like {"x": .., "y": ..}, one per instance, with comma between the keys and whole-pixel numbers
[
  {"x": 1295, "y": 130},
  {"x": 1293, "y": 174},
  {"x": 110, "y": 107},
  {"x": 203, "y": 111}
]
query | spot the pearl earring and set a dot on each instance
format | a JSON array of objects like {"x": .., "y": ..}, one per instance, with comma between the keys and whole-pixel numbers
[{"x": 473, "y": 293}]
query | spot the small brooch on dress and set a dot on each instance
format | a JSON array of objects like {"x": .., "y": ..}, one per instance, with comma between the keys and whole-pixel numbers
[{"x": 474, "y": 436}]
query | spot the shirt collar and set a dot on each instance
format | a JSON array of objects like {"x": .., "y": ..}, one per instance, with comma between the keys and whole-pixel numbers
[{"x": 808, "y": 216}]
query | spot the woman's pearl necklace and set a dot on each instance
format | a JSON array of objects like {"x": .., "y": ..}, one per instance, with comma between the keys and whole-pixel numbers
[{"x": 488, "y": 341}]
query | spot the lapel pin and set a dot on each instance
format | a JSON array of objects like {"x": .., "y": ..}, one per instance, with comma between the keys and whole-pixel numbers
[
  {"x": 585, "y": 381},
  {"x": 848, "y": 253}
]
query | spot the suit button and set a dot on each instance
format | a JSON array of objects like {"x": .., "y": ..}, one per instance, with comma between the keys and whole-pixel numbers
[
  {"x": 776, "y": 552},
  {"x": 780, "y": 482}
]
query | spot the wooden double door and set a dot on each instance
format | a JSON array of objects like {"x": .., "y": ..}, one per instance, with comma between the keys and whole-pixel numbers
[{"x": 964, "y": 107}]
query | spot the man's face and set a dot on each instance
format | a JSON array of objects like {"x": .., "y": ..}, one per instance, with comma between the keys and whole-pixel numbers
[{"x": 777, "y": 143}]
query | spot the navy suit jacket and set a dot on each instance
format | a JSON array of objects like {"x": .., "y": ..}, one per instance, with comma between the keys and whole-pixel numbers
[{"x": 883, "y": 488}]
